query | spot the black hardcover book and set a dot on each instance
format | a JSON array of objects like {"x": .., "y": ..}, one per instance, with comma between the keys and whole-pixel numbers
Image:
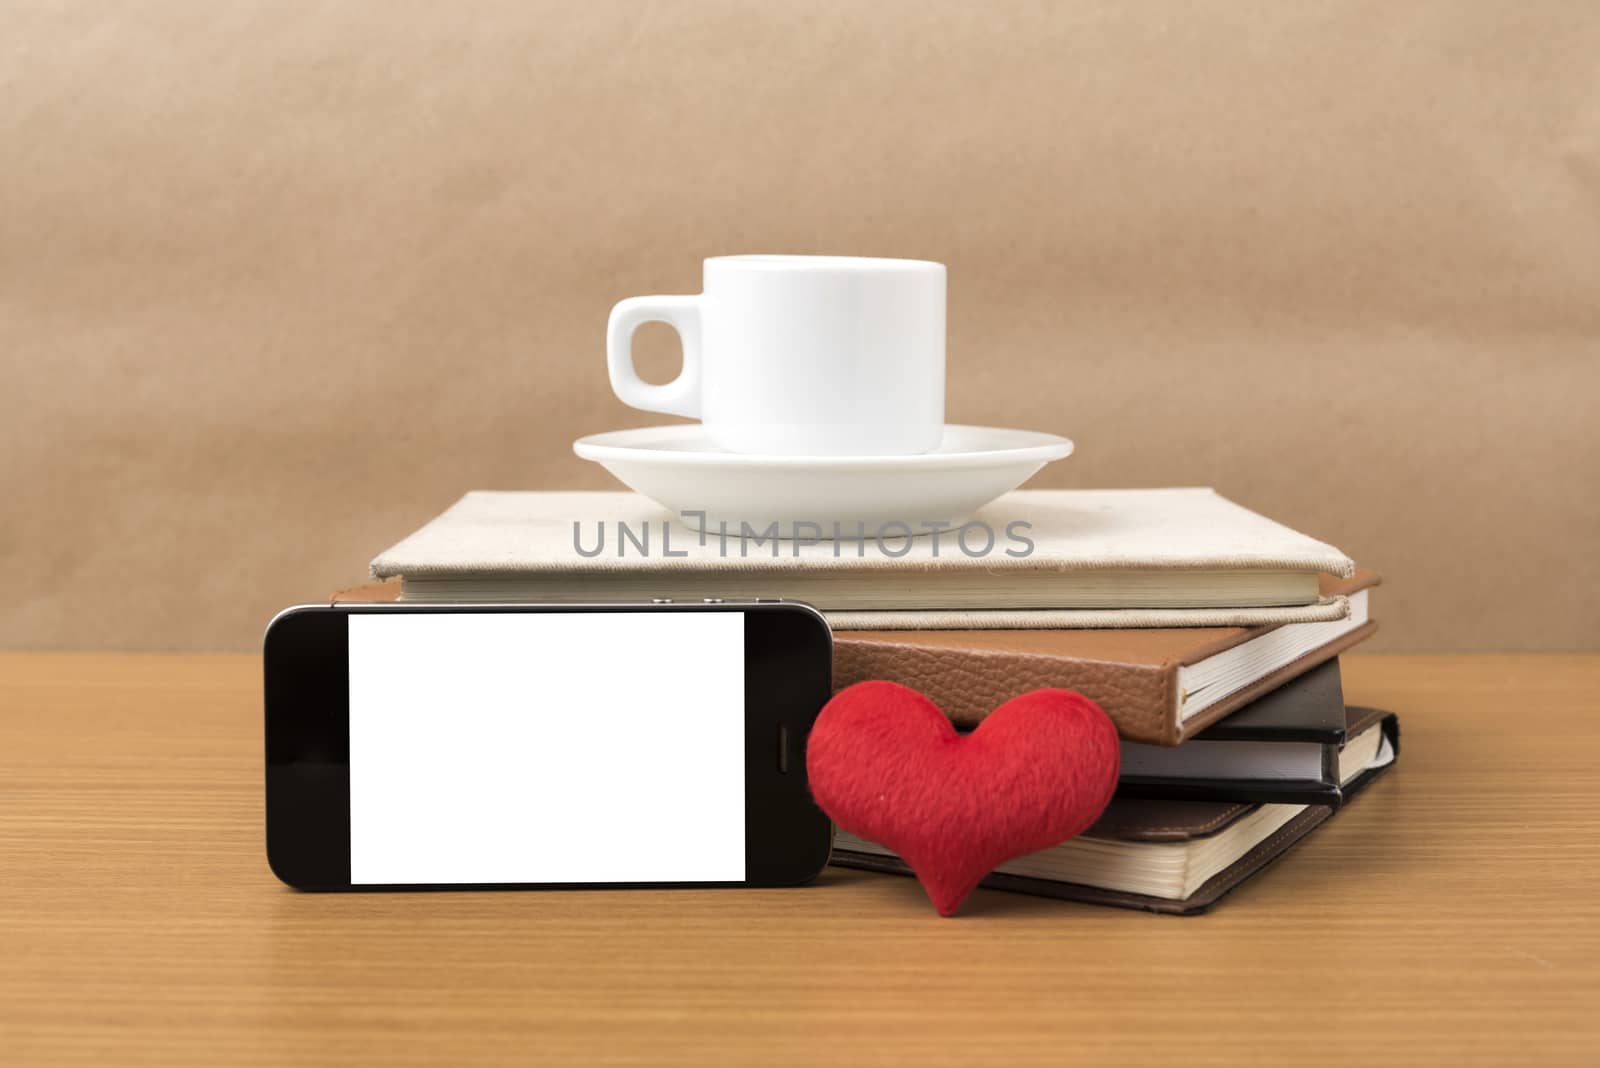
[{"x": 1283, "y": 748}]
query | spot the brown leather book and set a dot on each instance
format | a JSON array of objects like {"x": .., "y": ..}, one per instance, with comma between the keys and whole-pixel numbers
[
  {"x": 370, "y": 593},
  {"x": 1158, "y": 686},
  {"x": 1165, "y": 856}
]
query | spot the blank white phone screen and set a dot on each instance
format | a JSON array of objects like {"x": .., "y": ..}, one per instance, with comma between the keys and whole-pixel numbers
[{"x": 546, "y": 747}]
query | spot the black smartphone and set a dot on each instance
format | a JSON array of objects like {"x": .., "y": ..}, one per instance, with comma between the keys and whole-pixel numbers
[{"x": 537, "y": 746}]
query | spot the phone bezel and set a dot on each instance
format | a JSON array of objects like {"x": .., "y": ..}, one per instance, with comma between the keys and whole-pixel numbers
[{"x": 305, "y": 656}]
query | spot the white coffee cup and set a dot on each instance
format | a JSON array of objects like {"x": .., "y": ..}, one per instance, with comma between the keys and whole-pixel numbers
[{"x": 800, "y": 355}]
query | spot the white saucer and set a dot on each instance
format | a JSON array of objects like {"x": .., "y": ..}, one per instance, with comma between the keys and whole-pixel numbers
[{"x": 679, "y": 468}]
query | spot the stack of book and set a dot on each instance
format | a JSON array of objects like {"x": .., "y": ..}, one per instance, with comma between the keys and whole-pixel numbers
[{"x": 1208, "y": 633}]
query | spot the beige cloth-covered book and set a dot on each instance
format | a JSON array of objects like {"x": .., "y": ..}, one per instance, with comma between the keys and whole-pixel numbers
[{"x": 1033, "y": 558}]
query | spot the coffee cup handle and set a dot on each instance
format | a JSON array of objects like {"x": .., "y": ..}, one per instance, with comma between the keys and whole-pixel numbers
[{"x": 681, "y": 396}]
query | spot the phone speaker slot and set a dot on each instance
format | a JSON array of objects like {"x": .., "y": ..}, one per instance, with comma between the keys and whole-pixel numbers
[{"x": 783, "y": 748}]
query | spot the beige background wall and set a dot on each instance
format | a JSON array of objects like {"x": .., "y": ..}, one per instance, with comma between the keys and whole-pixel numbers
[{"x": 278, "y": 283}]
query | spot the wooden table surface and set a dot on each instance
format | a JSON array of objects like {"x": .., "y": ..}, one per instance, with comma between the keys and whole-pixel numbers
[{"x": 1451, "y": 914}]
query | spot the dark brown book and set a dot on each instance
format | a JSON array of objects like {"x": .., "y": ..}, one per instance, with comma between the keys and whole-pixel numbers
[
  {"x": 1176, "y": 857},
  {"x": 1159, "y": 686}
]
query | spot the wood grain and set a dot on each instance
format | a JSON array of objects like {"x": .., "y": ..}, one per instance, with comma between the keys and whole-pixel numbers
[{"x": 1448, "y": 916}]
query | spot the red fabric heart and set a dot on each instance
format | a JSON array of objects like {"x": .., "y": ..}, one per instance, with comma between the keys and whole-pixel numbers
[{"x": 885, "y": 764}]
